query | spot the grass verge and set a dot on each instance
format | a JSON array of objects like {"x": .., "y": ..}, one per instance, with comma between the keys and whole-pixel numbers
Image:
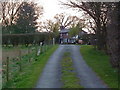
[
  {"x": 69, "y": 77},
  {"x": 99, "y": 62},
  {"x": 28, "y": 77}
]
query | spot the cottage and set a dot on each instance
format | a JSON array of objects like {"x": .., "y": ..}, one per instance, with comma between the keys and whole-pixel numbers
[{"x": 64, "y": 37}]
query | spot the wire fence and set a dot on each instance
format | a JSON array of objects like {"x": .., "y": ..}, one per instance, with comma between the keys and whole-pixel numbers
[{"x": 11, "y": 65}]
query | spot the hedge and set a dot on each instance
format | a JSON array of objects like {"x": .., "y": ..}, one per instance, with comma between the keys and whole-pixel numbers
[{"x": 26, "y": 39}]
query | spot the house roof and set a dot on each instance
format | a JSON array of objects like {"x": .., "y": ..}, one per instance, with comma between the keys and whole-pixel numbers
[{"x": 64, "y": 30}]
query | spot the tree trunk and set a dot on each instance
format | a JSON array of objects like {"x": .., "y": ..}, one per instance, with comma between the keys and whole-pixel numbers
[
  {"x": 100, "y": 36},
  {"x": 112, "y": 37}
]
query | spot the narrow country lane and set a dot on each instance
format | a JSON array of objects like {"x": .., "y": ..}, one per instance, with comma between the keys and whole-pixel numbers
[
  {"x": 51, "y": 75},
  {"x": 88, "y": 78}
]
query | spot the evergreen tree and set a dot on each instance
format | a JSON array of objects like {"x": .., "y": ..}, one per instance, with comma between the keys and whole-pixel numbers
[{"x": 26, "y": 19}]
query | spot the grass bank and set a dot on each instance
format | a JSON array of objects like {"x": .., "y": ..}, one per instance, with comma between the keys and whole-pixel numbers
[
  {"x": 69, "y": 77},
  {"x": 28, "y": 77},
  {"x": 99, "y": 62}
]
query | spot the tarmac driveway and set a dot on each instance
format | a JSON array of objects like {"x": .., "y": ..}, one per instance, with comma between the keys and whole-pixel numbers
[{"x": 51, "y": 75}]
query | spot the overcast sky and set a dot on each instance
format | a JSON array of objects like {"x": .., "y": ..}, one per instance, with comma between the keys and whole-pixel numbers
[{"x": 53, "y": 7}]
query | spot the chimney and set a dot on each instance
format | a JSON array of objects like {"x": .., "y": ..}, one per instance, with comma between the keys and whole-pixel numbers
[{"x": 62, "y": 27}]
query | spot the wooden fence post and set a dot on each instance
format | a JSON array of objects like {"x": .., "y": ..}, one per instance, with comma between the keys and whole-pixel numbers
[
  {"x": 36, "y": 50},
  {"x": 45, "y": 48},
  {"x": 53, "y": 41},
  {"x": 20, "y": 65},
  {"x": 41, "y": 47},
  {"x": 7, "y": 69},
  {"x": 29, "y": 53}
]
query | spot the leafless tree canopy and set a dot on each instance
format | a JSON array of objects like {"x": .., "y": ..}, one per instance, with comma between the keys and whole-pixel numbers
[
  {"x": 9, "y": 12},
  {"x": 105, "y": 31},
  {"x": 65, "y": 20}
]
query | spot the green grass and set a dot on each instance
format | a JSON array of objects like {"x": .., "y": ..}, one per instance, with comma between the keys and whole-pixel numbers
[
  {"x": 100, "y": 63},
  {"x": 28, "y": 77},
  {"x": 10, "y": 47},
  {"x": 69, "y": 78}
]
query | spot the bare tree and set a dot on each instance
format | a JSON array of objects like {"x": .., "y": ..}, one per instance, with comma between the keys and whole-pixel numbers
[
  {"x": 9, "y": 11},
  {"x": 114, "y": 34},
  {"x": 65, "y": 20},
  {"x": 89, "y": 23},
  {"x": 98, "y": 11},
  {"x": 106, "y": 16},
  {"x": 51, "y": 26},
  {"x": 48, "y": 25}
]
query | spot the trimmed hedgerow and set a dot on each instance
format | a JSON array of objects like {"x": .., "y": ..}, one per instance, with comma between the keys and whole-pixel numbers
[{"x": 26, "y": 39}]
